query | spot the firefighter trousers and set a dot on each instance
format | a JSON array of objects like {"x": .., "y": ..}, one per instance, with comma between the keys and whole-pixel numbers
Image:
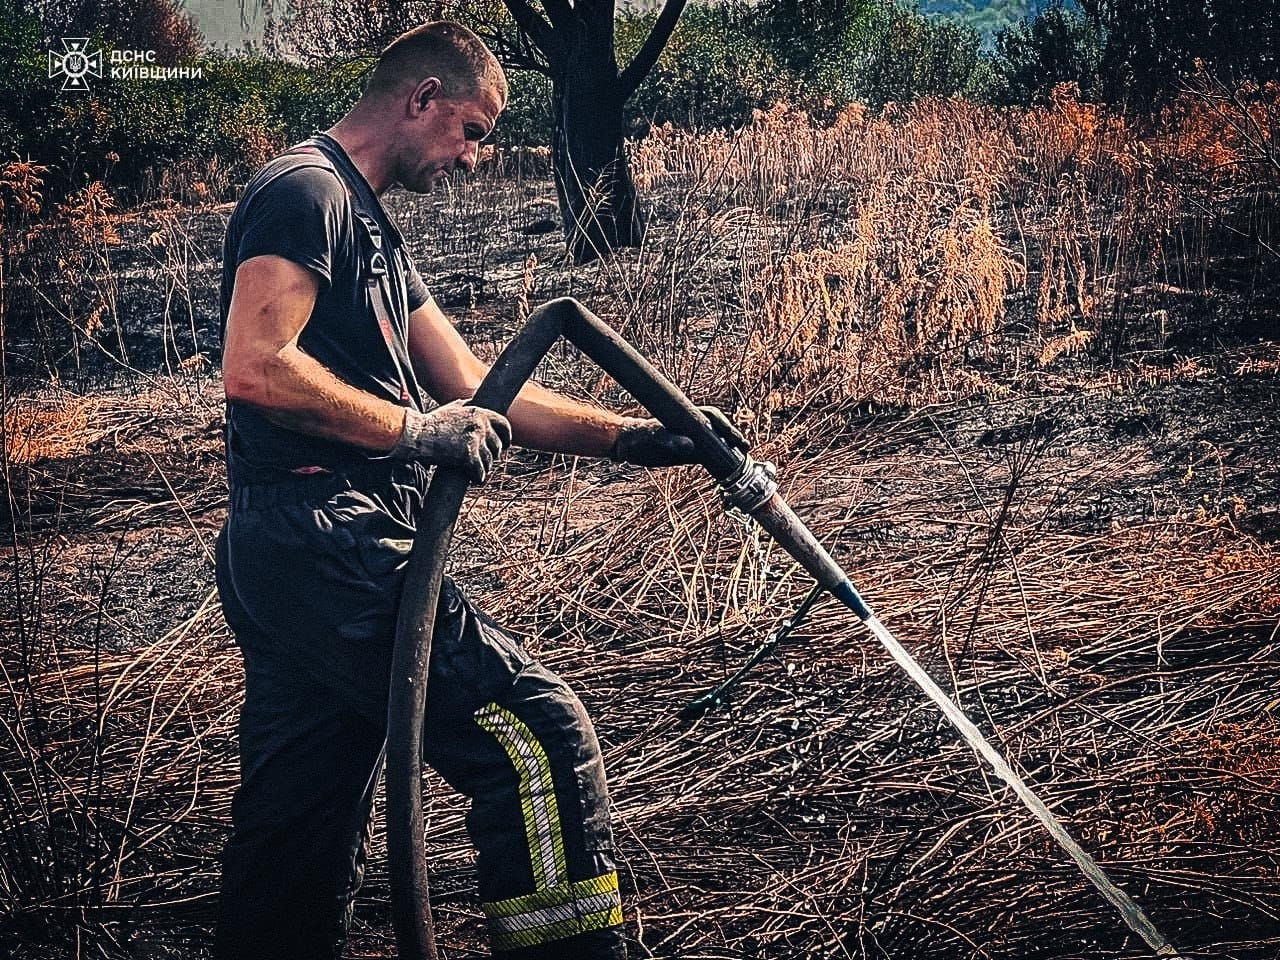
[{"x": 309, "y": 572}]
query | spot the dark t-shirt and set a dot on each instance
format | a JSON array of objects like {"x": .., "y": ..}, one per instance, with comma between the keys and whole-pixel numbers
[{"x": 297, "y": 207}]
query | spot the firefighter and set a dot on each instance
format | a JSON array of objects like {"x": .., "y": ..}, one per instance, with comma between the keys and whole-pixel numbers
[{"x": 333, "y": 352}]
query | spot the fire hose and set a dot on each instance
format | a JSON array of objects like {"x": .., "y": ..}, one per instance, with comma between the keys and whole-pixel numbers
[{"x": 747, "y": 486}]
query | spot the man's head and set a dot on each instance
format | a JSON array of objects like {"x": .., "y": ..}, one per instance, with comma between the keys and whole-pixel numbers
[{"x": 441, "y": 90}]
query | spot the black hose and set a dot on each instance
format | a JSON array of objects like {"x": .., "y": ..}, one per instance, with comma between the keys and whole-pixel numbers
[
  {"x": 406, "y": 707},
  {"x": 566, "y": 317}
]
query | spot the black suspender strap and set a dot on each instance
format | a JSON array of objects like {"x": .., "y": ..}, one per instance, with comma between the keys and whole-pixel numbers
[
  {"x": 381, "y": 287},
  {"x": 383, "y": 273}
]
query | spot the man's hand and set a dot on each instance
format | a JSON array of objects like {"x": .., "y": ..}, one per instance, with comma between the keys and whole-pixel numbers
[
  {"x": 455, "y": 435},
  {"x": 647, "y": 443}
]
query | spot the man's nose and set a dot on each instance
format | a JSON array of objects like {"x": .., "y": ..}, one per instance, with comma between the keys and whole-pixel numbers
[{"x": 470, "y": 154}]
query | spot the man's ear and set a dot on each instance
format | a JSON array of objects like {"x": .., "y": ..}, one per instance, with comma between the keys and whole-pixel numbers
[{"x": 423, "y": 94}]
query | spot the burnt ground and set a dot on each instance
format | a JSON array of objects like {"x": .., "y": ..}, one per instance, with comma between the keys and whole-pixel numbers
[
  {"x": 131, "y": 520},
  {"x": 115, "y": 493}
]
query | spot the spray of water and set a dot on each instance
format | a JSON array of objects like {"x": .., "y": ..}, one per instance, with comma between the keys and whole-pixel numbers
[
  {"x": 753, "y": 489},
  {"x": 1129, "y": 910}
]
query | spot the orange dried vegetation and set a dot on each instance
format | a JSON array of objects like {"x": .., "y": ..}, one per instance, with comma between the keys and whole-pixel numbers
[
  {"x": 89, "y": 212},
  {"x": 20, "y": 183},
  {"x": 868, "y": 319},
  {"x": 36, "y": 430}
]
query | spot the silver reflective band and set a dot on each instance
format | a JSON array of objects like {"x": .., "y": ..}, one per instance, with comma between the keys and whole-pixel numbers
[{"x": 548, "y": 915}]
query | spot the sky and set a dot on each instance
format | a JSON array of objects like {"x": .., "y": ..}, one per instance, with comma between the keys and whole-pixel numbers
[{"x": 221, "y": 24}]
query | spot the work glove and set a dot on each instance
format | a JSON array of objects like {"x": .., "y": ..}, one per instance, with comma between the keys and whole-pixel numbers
[
  {"x": 647, "y": 443},
  {"x": 455, "y": 435}
]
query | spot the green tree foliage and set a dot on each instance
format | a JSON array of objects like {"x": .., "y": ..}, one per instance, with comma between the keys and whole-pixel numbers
[
  {"x": 716, "y": 68},
  {"x": 22, "y": 55},
  {"x": 987, "y": 17},
  {"x": 1150, "y": 44},
  {"x": 1139, "y": 51},
  {"x": 903, "y": 54},
  {"x": 870, "y": 50},
  {"x": 334, "y": 31},
  {"x": 815, "y": 38},
  {"x": 727, "y": 59},
  {"x": 159, "y": 25},
  {"x": 1059, "y": 46},
  {"x": 527, "y": 121},
  {"x": 146, "y": 138}
]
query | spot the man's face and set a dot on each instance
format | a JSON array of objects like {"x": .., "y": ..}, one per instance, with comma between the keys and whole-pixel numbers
[{"x": 445, "y": 135}]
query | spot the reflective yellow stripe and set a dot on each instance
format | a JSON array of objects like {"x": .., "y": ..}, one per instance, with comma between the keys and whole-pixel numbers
[
  {"x": 550, "y": 915},
  {"x": 537, "y": 793}
]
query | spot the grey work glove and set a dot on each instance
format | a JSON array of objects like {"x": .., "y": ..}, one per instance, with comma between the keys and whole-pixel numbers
[
  {"x": 455, "y": 435},
  {"x": 647, "y": 443}
]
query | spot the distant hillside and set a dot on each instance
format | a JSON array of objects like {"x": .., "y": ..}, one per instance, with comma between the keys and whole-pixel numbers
[{"x": 988, "y": 17}]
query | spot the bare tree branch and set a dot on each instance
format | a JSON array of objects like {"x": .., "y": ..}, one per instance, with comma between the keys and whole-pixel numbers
[
  {"x": 518, "y": 52},
  {"x": 643, "y": 61},
  {"x": 533, "y": 26}
]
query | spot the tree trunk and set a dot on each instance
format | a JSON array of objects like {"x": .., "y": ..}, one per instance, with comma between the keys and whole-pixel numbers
[{"x": 593, "y": 182}]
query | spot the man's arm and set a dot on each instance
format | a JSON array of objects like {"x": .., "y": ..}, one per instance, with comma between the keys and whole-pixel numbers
[
  {"x": 540, "y": 418},
  {"x": 263, "y": 366}
]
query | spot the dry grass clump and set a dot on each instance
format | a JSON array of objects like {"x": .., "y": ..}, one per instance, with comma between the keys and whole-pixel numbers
[
  {"x": 35, "y": 431},
  {"x": 1224, "y": 132},
  {"x": 113, "y": 460},
  {"x": 874, "y": 319},
  {"x": 114, "y": 744},
  {"x": 784, "y": 153},
  {"x": 20, "y": 188},
  {"x": 59, "y": 424},
  {"x": 1068, "y": 135},
  {"x": 114, "y": 765},
  {"x": 75, "y": 291},
  {"x": 883, "y": 260},
  {"x": 896, "y": 237},
  {"x": 890, "y": 262}
]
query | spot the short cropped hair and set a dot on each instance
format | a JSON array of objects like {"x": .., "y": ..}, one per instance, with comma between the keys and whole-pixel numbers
[{"x": 441, "y": 49}]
